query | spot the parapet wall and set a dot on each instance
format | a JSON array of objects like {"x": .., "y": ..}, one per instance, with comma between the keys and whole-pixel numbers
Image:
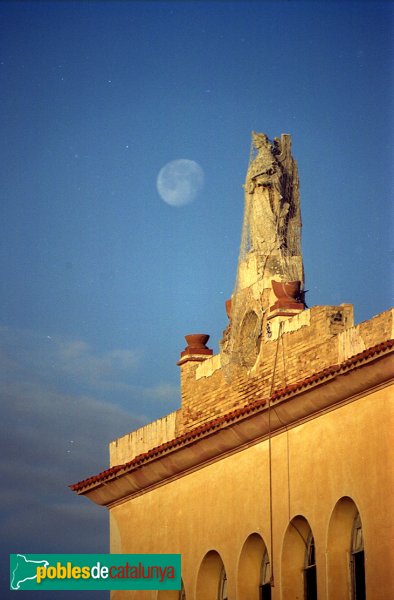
[
  {"x": 309, "y": 342},
  {"x": 141, "y": 440}
]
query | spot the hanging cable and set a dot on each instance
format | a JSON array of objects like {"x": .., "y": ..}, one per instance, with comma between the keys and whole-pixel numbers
[
  {"x": 287, "y": 432},
  {"x": 285, "y": 426},
  {"x": 272, "y": 579}
]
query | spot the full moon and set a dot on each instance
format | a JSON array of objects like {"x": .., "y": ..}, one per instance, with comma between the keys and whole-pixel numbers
[{"x": 179, "y": 181}]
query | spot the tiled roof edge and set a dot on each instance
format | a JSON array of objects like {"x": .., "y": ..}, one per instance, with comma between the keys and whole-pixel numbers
[{"x": 214, "y": 424}]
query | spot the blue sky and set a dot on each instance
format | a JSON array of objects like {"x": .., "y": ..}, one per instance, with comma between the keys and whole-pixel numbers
[{"x": 101, "y": 279}]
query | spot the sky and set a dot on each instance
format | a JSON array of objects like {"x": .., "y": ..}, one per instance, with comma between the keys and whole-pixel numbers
[{"x": 101, "y": 278}]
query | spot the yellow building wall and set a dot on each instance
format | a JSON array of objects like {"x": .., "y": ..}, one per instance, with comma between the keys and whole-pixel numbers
[{"x": 342, "y": 453}]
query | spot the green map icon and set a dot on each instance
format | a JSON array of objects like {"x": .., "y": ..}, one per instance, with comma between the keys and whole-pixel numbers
[{"x": 23, "y": 569}]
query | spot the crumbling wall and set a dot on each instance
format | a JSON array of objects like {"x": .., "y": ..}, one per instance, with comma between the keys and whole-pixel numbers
[{"x": 315, "y": 339}]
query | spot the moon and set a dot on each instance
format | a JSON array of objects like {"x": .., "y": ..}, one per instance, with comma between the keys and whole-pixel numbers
[{"x": 180, "y": 181}]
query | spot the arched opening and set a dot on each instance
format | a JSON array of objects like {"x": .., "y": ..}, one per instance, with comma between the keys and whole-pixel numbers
[
  {"x": 212, "y": 578},
  {"x": 265, "y": 578},
  {"x": 254, "y": 570},
  {"x": 222, "y": 592},
  {"x": 357, "y": 560},
  {"x": 310, "y": 580},
  {"x": 299, "y": 575},
  {"x": 345, "y": 553}
]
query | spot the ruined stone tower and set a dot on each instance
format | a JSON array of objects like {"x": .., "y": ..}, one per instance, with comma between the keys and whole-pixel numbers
[{"x": 270, "y": 276}]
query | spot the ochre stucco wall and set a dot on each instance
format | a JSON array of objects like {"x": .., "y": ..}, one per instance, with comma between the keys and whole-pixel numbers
[{"x": 344, "y": 452}]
